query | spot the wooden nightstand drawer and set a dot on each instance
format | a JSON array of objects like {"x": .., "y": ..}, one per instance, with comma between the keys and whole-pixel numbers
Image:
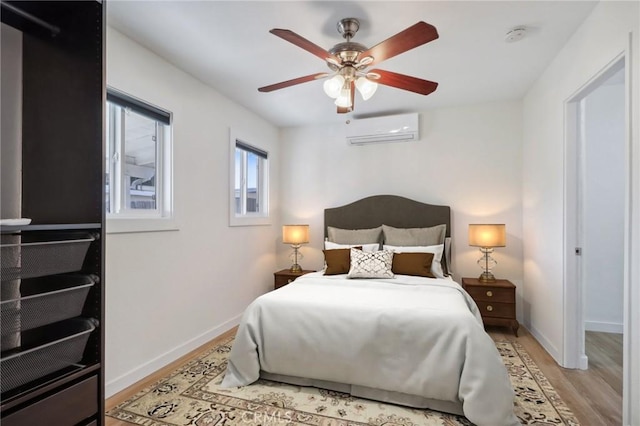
[
  {"x": 497, "y": 310},
  {"x": 285, "y": 276},
  {"x": 496, "y": 301},
  {"x": 281, "y": 281},
  {"x": 492, "y": 294}
]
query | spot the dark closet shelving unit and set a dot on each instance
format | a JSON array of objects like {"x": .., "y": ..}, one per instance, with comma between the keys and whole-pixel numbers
[{"x": 53, "y": 269}]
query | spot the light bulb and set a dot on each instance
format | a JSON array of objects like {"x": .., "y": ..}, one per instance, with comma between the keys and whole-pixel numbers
[
  {"x": 333, "y": 86},
  {"x": 366, "y": 87}
]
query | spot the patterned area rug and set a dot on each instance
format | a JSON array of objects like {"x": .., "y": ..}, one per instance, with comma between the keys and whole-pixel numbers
[{"x": 191, "y": 396}]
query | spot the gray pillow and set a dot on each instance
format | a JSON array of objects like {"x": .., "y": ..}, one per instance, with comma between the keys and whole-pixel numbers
[
  {"x": 354, "y": 236},
  {"x": 414, "y": 236}
]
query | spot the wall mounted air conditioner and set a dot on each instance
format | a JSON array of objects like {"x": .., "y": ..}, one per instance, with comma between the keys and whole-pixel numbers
[{"x": 391, "y": 128}]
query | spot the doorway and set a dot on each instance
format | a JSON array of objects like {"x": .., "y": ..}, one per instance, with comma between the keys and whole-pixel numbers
[{"x": 597, "y": 188}]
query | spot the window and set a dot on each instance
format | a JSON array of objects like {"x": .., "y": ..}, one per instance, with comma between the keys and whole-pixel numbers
[
  {"x": 138, "y": 158},
  {"x": 249, "y": 185}
]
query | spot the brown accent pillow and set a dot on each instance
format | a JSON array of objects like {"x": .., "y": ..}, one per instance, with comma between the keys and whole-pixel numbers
[
  {"x": 338, "y": 261},
  {"x": 418, "y": 264}
]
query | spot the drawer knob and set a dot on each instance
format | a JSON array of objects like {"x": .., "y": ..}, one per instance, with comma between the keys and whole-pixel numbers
[
  {"x": 289, "y": 280},
  {"x": 489, "y": 293},
  {"x": 489, "y": 308}
]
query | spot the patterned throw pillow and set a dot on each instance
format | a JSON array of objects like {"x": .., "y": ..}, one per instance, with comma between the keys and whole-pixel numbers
[{"x": 375, "y": 264}]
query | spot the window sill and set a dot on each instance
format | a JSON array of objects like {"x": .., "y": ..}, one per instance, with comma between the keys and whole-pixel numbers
[{"x": 128, "y": 225}]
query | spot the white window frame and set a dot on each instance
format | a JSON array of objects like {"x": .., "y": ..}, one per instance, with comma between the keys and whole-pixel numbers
[
  {"x": 122, "y": 219},
  {"x": 248, "y": 218}
]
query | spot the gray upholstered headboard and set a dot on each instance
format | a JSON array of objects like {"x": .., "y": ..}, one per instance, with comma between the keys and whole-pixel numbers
[{"x": 392, "y": 210}]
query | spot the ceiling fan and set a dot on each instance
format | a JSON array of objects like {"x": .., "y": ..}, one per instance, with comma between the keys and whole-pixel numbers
[{"x": 349, "y": 62}]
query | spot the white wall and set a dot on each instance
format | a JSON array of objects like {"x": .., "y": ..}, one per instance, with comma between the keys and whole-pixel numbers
[
  {"x": 592, "y": 47},
  {"x": 168, "y": 292},
  {"x": 604, "y": 204},
  {"x": 604, "y": 35},
  {"x": 468, "y": 158}
]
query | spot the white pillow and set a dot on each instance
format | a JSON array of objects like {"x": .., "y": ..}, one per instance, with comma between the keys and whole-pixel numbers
[
  {"x": 328, "y": 245},
  {"x": 437, "y": 250},
  {"x": 375, "y": 264}
]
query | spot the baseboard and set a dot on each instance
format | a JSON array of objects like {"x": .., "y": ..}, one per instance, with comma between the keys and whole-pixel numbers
[
  {"x": 546, "y": 344},
  {"x": 583, "y": 362},
  {"x": 604, "y": 327},
  {"x": 124, "y": 381}
]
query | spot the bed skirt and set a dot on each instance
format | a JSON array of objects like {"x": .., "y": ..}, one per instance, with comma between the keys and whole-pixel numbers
[{"x": 398, "y": 398}]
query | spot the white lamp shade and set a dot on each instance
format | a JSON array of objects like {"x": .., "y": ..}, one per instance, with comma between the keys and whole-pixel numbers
[
  {"x": 487, "y": 235},
  {"x": 344, "y": 100},
  {"x": 333, "y": 86},
  {"x": 295, "y": 234},
  {"x": 366, "y": 87}
]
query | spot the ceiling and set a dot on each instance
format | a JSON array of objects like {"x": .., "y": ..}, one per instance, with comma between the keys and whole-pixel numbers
[{"x": 227, "y": 45}]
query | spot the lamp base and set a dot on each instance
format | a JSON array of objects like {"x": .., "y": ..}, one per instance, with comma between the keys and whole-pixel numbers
[
  {"x": 487, "y": 277},
  {"x": 295, "y": 267}
]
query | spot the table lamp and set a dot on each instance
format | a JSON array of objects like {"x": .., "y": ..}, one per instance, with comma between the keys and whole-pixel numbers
[
  {"x": 487, "y": 236},
  {"x": 296, "y": 235}
]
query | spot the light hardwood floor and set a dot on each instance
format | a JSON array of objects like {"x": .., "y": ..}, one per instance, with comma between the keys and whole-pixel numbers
[
  {"x": 588, "y": 393},
  {"x": 594, "y": 395}
]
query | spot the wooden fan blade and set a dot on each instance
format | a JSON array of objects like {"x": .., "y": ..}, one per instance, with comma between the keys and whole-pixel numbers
[
  {"x": 293, "y": 82},
  {"x": 405, "y": 82},
  {"x": 414, "y": 36},
  {"x": 344, "y": 110},
  {"x": 303, "y": 43}
]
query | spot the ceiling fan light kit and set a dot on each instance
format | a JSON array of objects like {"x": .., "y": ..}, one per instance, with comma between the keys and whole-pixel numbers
[
  {"x": 344, "y": 100},
  {"x": 333, "y": 86},
  {"x": 366, "y": 87},
  {"x": 349, "y": 62}
]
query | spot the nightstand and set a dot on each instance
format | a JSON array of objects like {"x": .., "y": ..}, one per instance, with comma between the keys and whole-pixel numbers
[
  {"x": 496, "y": 301},
  {"x": 284, "y": 277}
]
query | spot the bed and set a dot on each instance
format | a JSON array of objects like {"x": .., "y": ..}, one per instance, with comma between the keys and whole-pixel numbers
[{"x": 401, "y": 338}]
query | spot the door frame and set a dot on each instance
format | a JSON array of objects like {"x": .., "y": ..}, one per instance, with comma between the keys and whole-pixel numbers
[{"x": 574, "y": 173}]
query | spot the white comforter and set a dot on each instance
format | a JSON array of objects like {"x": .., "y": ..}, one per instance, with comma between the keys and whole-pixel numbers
[{"x": 413, "y": 335}]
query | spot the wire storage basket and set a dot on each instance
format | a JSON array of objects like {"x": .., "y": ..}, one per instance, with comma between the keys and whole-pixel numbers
[
  {"x": 45, "y": 350},
  {"x": 45, "y": 300},
  {"x": 37, "y": 255}
]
